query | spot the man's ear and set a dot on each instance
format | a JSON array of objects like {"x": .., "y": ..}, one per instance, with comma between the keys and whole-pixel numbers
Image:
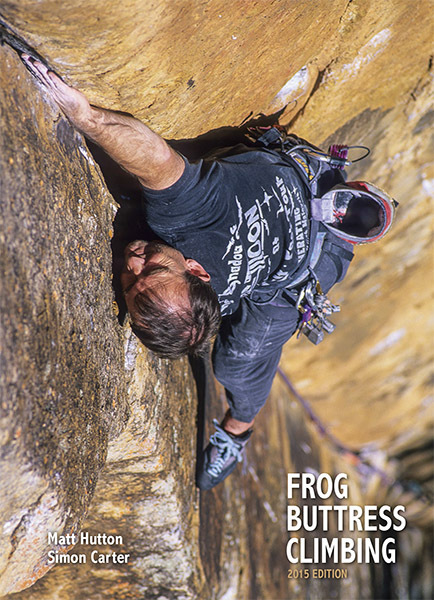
[{"x": 196, "y": 268}]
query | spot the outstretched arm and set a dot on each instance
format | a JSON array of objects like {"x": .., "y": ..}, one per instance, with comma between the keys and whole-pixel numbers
[{"x": 128, "y": 141}]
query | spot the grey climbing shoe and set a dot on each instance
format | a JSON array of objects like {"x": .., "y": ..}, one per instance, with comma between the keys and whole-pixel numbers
[{"x": 221, "y": 456}]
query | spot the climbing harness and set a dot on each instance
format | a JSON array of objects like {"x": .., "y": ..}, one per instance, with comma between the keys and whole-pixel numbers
[
  {"x": 357, "y": 212},
  {"x": 277, "y": 137}
]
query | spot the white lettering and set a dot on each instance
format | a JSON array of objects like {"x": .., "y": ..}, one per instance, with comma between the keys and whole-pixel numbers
[
  {"x": 401, "y": 519},
  {"x": 52, "y": 538},
  {"x": 293, "y": 518},
  {"x": 289, "y": 554}
]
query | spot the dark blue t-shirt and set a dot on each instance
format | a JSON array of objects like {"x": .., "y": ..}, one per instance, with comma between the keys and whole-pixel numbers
[{"x": 244, "y": 218}]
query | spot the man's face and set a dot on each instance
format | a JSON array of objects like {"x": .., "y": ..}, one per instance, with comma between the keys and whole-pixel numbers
[{"x": 154, "y": 265}]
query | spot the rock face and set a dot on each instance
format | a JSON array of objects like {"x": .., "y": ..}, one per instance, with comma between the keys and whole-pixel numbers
[
  {"x": 63, "y": 384},
  {"x": 96, "y": 434}
]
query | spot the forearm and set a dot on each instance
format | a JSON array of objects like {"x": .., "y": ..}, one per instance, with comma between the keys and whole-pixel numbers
[
  {"x": 135, "y": 147},
  {"x": 128, "y": 141}
]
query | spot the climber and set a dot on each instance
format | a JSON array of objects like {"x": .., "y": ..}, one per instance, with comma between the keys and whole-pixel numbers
[{"x": 251, "y": 241}]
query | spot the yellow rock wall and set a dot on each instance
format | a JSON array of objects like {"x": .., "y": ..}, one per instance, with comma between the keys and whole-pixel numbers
[{"x": 357, "y": 71}]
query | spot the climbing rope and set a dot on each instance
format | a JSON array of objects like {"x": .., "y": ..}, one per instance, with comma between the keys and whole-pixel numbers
[{"x": 364, "y": 467}]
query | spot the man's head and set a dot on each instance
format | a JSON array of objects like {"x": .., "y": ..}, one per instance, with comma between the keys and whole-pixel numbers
[{"x": 173, "y": 307}]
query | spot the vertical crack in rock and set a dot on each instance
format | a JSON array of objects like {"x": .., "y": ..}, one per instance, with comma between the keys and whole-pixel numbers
[{"x": 63, "y": 386}]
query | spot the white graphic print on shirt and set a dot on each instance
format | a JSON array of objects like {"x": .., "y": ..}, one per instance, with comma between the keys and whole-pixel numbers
[{"x": 252, "y": 241}]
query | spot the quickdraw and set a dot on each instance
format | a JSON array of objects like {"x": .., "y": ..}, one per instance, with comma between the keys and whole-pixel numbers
[{"x": 315, "y": 308}]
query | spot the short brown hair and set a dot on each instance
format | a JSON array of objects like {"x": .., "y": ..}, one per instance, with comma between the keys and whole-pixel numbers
[{"x": 172, "y": 334}]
